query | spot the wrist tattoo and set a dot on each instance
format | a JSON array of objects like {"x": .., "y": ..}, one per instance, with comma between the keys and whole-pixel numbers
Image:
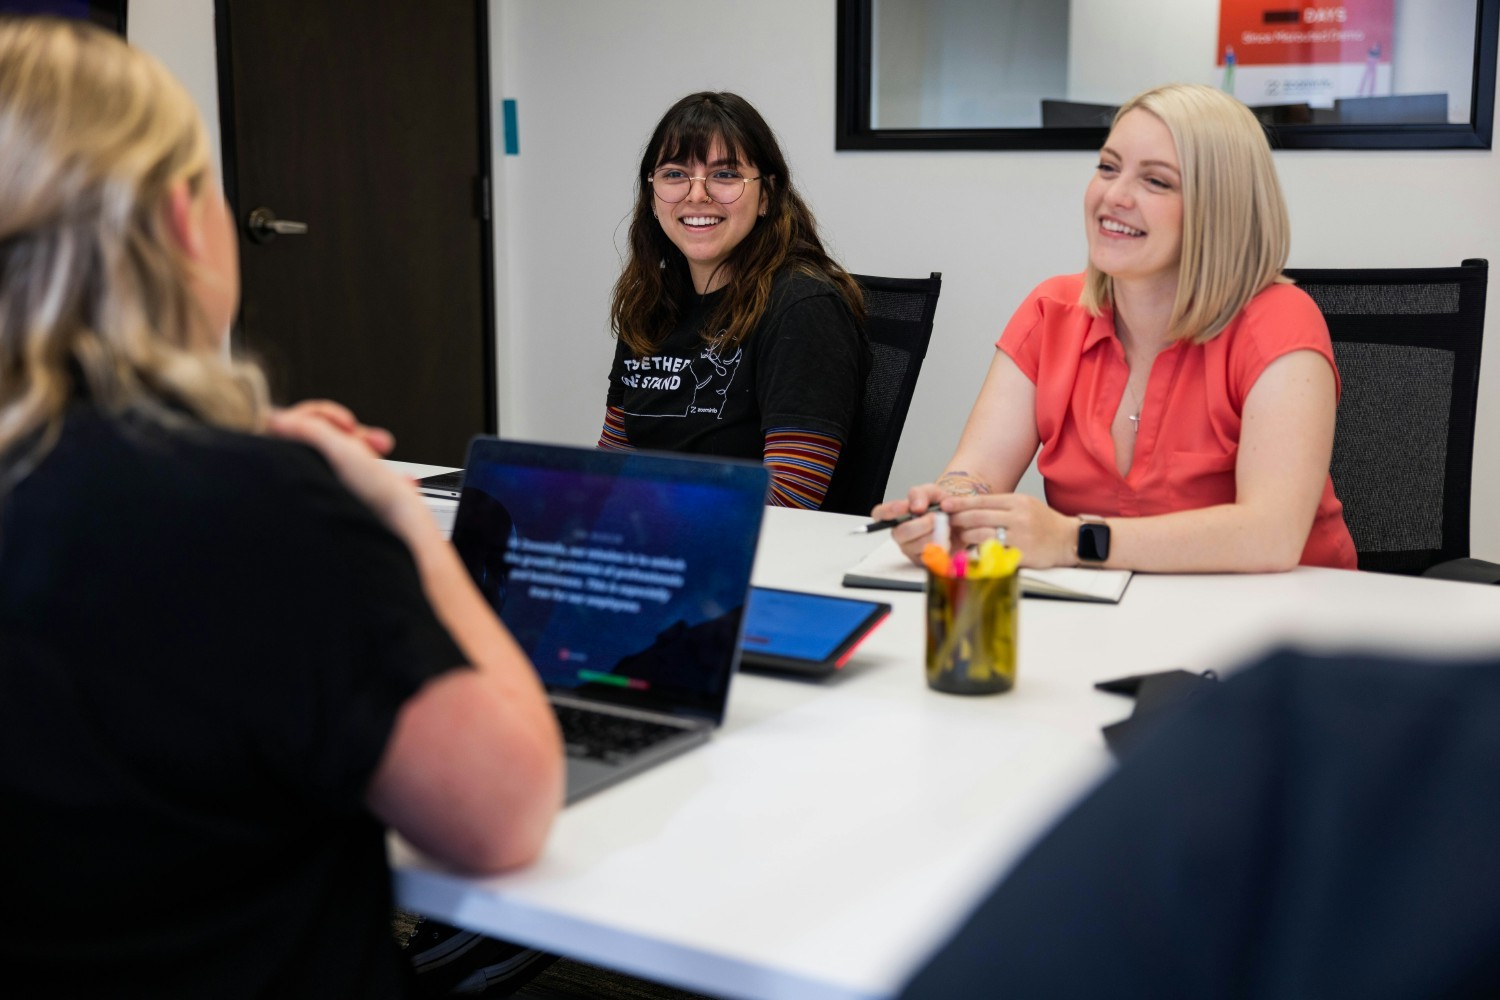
[{"x": 957, "y": 483}]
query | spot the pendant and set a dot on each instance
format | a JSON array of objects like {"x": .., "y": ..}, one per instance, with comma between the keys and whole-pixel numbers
[{"x": 1135, "y": 422}]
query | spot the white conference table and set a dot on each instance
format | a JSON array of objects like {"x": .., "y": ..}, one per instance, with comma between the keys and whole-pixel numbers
[{"x": 832, "y": 833}]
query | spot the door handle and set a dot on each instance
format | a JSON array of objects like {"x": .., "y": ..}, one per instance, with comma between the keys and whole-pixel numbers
[{"x": 265, "y": 227}]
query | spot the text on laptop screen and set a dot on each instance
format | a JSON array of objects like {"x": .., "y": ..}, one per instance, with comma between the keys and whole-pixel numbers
[{"x": 622, "y": 576}]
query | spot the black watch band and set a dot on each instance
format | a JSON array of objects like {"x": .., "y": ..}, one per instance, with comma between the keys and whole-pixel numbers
[{"x": 1093, "y": 540}]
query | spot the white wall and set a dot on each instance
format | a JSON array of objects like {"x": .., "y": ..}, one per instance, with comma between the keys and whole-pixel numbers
[
  {"x": 591, "y": 78},
  {"x": 181, "y": 34}
]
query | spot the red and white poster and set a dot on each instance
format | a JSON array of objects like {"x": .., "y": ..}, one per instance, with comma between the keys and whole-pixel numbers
[{"x": 1305, "y": 51}]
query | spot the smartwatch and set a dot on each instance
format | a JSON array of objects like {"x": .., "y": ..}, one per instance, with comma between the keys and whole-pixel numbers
[{"x": 1093, "y": 540}]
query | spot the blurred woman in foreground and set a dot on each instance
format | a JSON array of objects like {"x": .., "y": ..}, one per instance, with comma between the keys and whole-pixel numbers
[{"x": 228, "y": 662}]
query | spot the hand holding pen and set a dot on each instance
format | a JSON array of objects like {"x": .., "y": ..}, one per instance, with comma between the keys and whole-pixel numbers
[
  {"x": 938, "y": 535},
  {"x": 916, "y": 506},
  {"x": 884, "y": 525}
]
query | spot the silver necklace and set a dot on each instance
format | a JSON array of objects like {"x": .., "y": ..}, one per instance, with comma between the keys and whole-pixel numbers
[{"x": 1134, "y": 418}]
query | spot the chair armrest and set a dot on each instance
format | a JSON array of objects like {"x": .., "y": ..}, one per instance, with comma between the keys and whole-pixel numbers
[{"x": 1470, "y": 570}]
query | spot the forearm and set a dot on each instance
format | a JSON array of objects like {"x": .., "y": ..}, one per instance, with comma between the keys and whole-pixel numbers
[
  {"x": 612, "y": 436},
  {"x": 1229, "y": 538},
  {"x": 801, "y": 464},
  {"x": 959, "y": 482},
  {"x": 1240, "y": 537}
]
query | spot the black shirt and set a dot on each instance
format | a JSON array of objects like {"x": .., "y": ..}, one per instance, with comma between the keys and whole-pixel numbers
[
  {"x": 802, "y": 367},
  {"x": 204, "y": 640}
]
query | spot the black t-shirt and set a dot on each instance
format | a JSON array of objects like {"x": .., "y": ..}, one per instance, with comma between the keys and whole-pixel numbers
[
  {"x": 802, "y": 367},
  {"x": 204, "y": 640}
]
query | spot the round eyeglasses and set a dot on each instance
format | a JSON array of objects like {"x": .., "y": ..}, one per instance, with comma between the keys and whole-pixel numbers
[{"x": 723, "y": 185}]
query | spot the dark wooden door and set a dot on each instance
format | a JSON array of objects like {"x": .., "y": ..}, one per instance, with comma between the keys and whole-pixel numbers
[{"x": 367, "y": 120}]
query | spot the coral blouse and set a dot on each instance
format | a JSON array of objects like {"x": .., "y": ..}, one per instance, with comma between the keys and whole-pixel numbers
[{"x": 1189, "y": 432}]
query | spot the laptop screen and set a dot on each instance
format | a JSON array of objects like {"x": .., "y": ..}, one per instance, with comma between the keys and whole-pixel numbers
[{"x": 623, "y": 575}]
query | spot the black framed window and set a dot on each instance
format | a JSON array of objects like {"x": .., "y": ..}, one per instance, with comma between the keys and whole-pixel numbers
[{"x": 1048, "y": 74}]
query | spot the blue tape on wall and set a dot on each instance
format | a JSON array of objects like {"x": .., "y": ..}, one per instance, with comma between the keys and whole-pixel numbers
[{"x": 512, "y": 139}]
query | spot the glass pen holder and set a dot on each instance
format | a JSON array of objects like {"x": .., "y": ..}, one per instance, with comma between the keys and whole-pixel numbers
[{"x": 971, "y": 632}]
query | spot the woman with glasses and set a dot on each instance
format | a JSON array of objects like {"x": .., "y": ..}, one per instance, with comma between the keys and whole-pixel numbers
[
  {"x": 737, "y": 335},
  {"x": 1181, "y": 392},
  {"x": 234, "y": 647}
]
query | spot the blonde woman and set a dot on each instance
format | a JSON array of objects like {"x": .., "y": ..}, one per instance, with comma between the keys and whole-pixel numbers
[
  {"x": 227, "y": 662},
  {"x": 1178, "y": 395}
]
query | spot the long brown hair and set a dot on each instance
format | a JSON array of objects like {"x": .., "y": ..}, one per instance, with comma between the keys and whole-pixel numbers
[
  {"x": 95, "y": 293},
  {"x": 655, "y": 288}
]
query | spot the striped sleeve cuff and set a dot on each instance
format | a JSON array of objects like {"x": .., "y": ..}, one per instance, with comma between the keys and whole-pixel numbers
[
  {"x": 613, "y": 438},
  {"x": 801, "y": 464}
]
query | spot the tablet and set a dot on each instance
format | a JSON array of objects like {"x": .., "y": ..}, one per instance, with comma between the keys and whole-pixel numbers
[
  {"x": 444, "y": 484},
  {"x": 788, "y": 631}
]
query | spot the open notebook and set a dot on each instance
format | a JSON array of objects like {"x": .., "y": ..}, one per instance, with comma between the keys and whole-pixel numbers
[{"x": 886, "y": 568}]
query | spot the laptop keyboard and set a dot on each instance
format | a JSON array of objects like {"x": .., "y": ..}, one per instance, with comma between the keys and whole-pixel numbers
[{"x": 608, "y": 738}]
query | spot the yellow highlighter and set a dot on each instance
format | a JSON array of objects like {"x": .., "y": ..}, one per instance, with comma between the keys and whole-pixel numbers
[{"x": 996, "y": 559}]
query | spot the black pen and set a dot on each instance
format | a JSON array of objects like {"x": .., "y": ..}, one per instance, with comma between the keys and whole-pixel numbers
[{"x": 874, "y": 526}]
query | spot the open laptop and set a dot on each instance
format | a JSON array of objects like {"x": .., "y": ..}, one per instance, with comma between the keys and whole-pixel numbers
[{"x": 624, "y": 577}]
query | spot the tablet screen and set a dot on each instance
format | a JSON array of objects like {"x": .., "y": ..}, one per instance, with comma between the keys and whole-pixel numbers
[{"x": 798, "y": 626}]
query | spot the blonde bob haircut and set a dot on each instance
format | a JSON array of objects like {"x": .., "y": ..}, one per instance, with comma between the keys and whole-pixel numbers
[
  {"x": 96, "y": 295},
  {"x": 1235, "y": 233}
]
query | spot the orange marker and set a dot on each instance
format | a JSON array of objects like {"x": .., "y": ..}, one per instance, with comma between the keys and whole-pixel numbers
[{"x": 935, "y": 558}]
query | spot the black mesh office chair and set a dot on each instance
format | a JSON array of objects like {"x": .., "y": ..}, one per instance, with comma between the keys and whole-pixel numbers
[
  {"x": 898, "y": 319},
  {"x": 1407, "y": 345}
]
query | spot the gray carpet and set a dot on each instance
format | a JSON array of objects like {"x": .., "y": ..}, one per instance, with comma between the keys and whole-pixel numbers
[
  {"x": 569, "y": 980},
  {"x": 560, "y": 978}
]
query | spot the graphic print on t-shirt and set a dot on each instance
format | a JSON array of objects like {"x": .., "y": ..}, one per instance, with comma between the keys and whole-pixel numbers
[{"x": 679, "y": 386}]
